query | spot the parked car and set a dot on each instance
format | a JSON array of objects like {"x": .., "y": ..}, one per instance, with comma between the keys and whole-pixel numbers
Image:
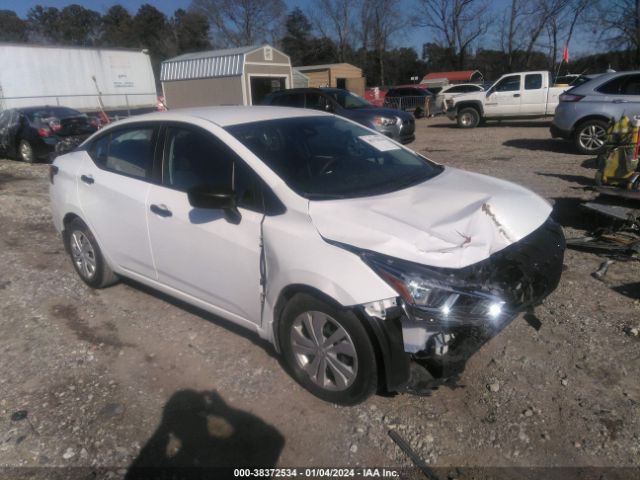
[
  {"x": 449, "y": 91},
  {"x": 390, "y": 122},
  {"x": 515, "y": 95},
  {"x": 355, "y": 256},
  {"x": 585, "y": 111},
  {"x": 34, "y": 133},
  {"x": 416, "y": 100}
]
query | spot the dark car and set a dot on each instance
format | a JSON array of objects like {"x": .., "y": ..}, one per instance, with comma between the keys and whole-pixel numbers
[
  {"x": 393, "y": 123},
  {"x": 33, "y": 133},
  {"x": 410, "y": 99}
]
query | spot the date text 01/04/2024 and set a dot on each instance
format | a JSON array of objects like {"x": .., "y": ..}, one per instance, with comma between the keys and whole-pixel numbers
[{"x": 317, "y": 472}]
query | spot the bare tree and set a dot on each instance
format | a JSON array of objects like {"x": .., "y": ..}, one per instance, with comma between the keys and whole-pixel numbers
[
  {"x": 336, "y": 19},
  {"x": 238, "y": 23},
  {"x": 381, "y": 20},
  {"x": 619, "y": 22},
  {"x": 458, "y": 23}
]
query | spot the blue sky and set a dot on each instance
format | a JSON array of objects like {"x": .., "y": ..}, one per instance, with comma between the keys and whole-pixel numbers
[{"x": 412, "y": 37}]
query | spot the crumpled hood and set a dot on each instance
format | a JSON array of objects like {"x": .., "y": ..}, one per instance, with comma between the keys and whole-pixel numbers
[{"x": 453, "y": 220}]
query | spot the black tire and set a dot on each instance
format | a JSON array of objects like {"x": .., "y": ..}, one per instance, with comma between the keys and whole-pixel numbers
[
  {"x": 361, "y": 378},
  {"x": 418, "y": 113},
  {"x": 25, "y": 152},
  {"x": 468, "y": 118},
  {"x": 589, "y": 137},
  {"x": 82, "y": 246}
]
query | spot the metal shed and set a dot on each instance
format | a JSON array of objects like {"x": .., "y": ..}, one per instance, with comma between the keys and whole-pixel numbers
[{"x": 238, "y": 76}]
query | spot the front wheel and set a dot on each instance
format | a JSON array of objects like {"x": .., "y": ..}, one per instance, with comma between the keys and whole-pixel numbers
[
  {"x": 468, "y": 118},
  {"x": 328, "y": 351},
  {"x": 590, "y": 137}
]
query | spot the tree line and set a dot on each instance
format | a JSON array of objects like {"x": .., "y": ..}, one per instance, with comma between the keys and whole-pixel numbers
[{"x": 459, "y": 34}]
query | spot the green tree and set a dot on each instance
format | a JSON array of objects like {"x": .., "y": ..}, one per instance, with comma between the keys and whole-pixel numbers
[
  {"x": 154, "y": 33},
  {"x": 43, "y": 23},
  {"x": 191, "y": 31},
  {"x": 301, "y": 46},
  {"x": 77, "y": 25},
  {"x": 12, "y": 28},
  {"x": 117, "y": 28}
]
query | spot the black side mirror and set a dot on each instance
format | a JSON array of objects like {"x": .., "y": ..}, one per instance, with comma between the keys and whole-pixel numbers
[{"x": 215, "y": 198}]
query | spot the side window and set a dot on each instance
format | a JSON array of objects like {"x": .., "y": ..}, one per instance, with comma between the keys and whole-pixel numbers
[
  {"x": 456, "y": 90},
  {"x": 632, "y": 85},
  {"x": 615, "y": 86},
  {"x": 290, "y": 100},
  {"x": 128, "y": 151},
  {"x": 4, "y": 119},
  {"x": 509, "y": 84},
  {"x": 194, "y": 158},
  {"x": 316, "y": 101},
  {"x": 533, "y": 81}
]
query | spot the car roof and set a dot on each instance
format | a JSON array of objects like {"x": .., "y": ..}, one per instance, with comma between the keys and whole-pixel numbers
[{"x": 225, "y": 116}]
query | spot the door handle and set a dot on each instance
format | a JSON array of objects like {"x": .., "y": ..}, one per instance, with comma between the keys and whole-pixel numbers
[
  {"x": 516, "y": 94},
  {"x": 88, "y": 179},
  {"x": 620, "y": 100},
  {"x": 162, "y": 211}
]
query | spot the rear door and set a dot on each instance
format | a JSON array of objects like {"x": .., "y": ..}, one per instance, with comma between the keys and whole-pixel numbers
[
  {"x": 503, "y": 100},
  {"x": 113, "y": 185},
  {"x": 202, "y": 252},
  {"x": 626, "y": 93},
  {"x": 534, "y": 95}
]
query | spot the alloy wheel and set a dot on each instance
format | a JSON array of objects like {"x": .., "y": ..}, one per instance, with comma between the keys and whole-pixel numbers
[
  {"x": 324, "y": 350},
  {"x": 592, "y": 137},
  {"x": 26, "y": 152},
  {"x": 84, "y": 256}
]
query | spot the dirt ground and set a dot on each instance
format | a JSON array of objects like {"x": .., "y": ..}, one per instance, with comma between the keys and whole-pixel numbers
[{"x": 124, "y": 375}]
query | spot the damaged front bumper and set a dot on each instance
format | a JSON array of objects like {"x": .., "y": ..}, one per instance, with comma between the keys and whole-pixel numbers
[{"x": 511, "y": 281}]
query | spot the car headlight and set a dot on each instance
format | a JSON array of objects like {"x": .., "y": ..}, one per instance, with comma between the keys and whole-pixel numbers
[
  {"x": 437, "y": 295},
  {"x": 384, "y": 121}
]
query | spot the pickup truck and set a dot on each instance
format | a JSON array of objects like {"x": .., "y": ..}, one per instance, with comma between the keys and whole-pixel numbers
[{"x": 515, "y": 95}]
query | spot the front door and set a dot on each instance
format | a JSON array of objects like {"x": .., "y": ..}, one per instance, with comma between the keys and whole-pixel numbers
[
  {"x": 503, "y": 100},
  {"x": 205, "y": 253}
]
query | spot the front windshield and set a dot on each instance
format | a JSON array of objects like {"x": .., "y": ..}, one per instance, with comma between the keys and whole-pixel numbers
[
  {"x": 327, "y": 157},
  {"x": 348, "y": 100}
]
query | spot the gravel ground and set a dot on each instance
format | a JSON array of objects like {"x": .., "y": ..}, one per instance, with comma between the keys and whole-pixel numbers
[{"x": 126, "y": 376}]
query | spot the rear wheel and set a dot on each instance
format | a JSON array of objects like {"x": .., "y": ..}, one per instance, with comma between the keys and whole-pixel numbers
[
  {"x": 328, "y": 350},
  {"x": 25, "y": 152},
  {"x": 468, "y": 118},
  {"x": 86, "y": 256},
  {"x": 590, "y": 137}
]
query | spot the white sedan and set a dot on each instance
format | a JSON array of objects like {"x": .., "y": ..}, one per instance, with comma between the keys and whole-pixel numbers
[
  {"x": 360, "y": 260},
  {"x": 452, "y": 90}
]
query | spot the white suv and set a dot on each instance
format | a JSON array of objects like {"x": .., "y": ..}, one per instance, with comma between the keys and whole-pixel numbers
[{"x": 360, "y": 260}]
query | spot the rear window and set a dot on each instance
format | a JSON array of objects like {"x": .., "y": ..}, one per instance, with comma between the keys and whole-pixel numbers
[{"x": 42, "y": 115}]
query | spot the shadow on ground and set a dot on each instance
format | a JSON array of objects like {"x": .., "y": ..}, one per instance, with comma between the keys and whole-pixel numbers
[
  {"x": 568, "y": 212},
  {"x": 631, "y": 290},
  {"x": 201, "y": 436},
  {"x": 498, "y": 123},
  {"x": 542, "y": 144},
  {"x": 579, "y": 179}
]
